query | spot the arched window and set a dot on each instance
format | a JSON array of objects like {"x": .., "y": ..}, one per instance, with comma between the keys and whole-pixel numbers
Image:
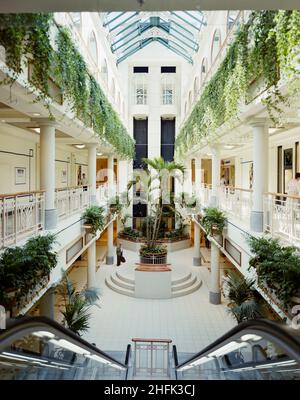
[
  {"x": 104, "y": 70},
  {"x": 231, "y": 18},
  {"x": 93, "y": 47},
  {"x": 216, "y": 45},
  {"x": 190, "y": 99},
  {"x": 203, "y": 71},
  {"x": 76, "y": 18},
  {"x": 196, "y": 88},
  {"x": 113, "y": 89}
]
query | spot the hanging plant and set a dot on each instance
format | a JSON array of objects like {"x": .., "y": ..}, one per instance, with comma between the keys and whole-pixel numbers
[{"x": 27, "y": 37}]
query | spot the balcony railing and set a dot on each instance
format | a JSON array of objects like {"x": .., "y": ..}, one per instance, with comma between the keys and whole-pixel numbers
[
  {"x": 71, "y": 201},
  {"x": 236, "y": 202},
  {"x": 204, "y": 193},
  {"x": 282, "y": 216},
  {"x": 21, "y": 215}
]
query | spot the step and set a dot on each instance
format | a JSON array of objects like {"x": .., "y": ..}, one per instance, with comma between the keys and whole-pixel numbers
[
  {"x": 119, "y": 282},
  {"x": 182, "y": 279},
  {"x": 191, "y": 289},
  {"x": 124, "y": 278},
  {"x": 184, "y": 284},
  {"x": 117, "y": 288}
]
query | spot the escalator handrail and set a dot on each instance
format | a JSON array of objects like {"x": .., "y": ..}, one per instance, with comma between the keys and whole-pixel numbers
[
  {"x": 127, "y": 358},
  {"x": 27, "y": 323},
  {"x": 288, "y": 336}
]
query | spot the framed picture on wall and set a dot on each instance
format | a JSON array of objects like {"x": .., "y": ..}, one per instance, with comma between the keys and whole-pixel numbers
[
  {"x": 63, "y": 176},
  {"x": 20, "y": 176}
]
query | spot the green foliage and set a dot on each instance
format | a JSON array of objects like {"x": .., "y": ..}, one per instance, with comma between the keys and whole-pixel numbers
[
  {"x": 243, "y": 300},
  {"x": 263, "y": 48},
  {"x": 277, "y": 267},
  {"x": 115, "y": 205},
  {"x": 94, "y": 216},
  {"x": 28, "y": 36},
  {"x": 23, "y": 269},
  {"x": 157, "y": 249},
  {"x": 213, "y": 221},
  {"x": 77, "y": 305},
  {"x": 130, "y": 233}
]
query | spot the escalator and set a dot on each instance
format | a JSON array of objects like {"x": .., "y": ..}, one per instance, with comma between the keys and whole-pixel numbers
[
  {"x": 37, "y": 348},
  {"x": 253, "y": 350}
]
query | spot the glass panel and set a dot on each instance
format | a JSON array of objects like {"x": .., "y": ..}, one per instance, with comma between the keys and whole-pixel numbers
[
  {"x": 43, "y": 355},
  {"x": 250, "y": 356}
]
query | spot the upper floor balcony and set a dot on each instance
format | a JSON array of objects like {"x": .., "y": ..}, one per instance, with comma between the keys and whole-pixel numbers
[
  {"x": 23, "y": 214},
  {"x": 281, "y": 211}
]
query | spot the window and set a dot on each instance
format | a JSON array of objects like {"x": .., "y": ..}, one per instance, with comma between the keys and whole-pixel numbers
[
  {"x": 140, "y": 70},
  {"x": 231, "y": 18},
  {"x": 76, "y": 18},
  {"x": 196, "y": 88},
  {"x": 93, "y": 47},
  {"x": 169, "y": 70},
  {"x": 216, "y": 45},
  {"x": 140, "y": 89},
  {"x": 168, "y": 89},
  {"x": 104, "y": 70}
]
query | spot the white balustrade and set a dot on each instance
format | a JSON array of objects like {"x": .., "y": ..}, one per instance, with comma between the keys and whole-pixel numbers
[
  {"x": 236, "y": 202},
  {"x": 205, "y": 194},
  {"x": 282, "y": 216},
  {"x": 71, "y": 201},
  {"x": 21, "y": 215}
]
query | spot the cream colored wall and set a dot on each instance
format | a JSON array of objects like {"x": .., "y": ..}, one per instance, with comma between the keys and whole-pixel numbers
[
  {"x": 17, "y": 144},
  {"x": 15, "y": 147}
]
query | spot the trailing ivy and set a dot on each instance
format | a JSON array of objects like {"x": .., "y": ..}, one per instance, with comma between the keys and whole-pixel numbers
[
  {"x": 263, "y": 49},
  {"x": 26, "y": 38}
]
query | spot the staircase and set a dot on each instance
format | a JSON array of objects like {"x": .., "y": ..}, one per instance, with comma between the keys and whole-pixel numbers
[{"x": 121, "y": 283}]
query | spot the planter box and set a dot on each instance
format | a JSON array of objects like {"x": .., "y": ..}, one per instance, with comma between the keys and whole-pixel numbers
[{"x": 154, "y": 259}]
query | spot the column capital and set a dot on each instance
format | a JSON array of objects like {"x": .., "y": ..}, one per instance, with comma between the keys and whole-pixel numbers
[
  {"x": 46, "y": 122},
  {"x": 256, "y": 122},
  {"x": 91, "y": 145}
]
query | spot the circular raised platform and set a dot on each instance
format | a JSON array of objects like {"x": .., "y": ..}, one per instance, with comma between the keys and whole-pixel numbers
[{"x": 182, "y": 282}]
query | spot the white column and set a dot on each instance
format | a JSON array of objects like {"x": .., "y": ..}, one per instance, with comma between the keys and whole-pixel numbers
[
  {"x": 110, "y": 244},
  {"x": 47, "y": 171},
  {"x": 197, "y": 253},
  {"x": 260, "y": 172},
  {"x": 92, "y": 167},
  {"x": 47, "y": 304},
  {"x": 215, "y": 292},
  {"x": 92, "y": 260},
  {"x": 215, "y": 175},
  {"x": 187, "y": 183},
  {"x": 129, "y": 210},
  {"x": 110, "y": 175},
  {"x": 198, "y": 163}
]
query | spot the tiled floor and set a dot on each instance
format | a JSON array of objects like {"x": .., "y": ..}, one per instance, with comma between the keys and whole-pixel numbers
[{"x": 190, "y": 321}]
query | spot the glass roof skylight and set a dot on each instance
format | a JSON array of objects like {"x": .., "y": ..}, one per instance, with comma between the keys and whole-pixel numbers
[{"x": 132, "y": 31}]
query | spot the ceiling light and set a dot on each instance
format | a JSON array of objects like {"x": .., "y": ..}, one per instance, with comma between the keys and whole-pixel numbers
[
  {"x": 3, "y": 120},
  {"x": 79, "y": 146},
  {"x": 209, "y": 154},
  {"x": 229, "y": 146},
  {"x": 99, "y": 154},
  {"x": 35, "y": 114}
]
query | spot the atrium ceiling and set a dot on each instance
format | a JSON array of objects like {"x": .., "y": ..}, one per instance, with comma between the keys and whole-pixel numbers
[{"x": 130, "y": 32}]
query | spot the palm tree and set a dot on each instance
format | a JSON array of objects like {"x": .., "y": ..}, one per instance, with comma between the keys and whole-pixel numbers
[
  {"x": 162, "y": 169},
  {"x": 243, "y": 303},
  {"x": 77, "y": 305}
]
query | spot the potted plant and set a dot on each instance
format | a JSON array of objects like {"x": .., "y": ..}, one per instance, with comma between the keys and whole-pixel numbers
[
  {"x": 93, "y": 219},
  {"x": 277, "y": 268},
  {"x": 76, "y": 305},
  {"x": 243, "y": 299},
  {"x": 156, "y": 207},
  {"x": 23, "y": 270},
  {"x": 213, "y": 221},
  {"x": 115, "y": 206}
]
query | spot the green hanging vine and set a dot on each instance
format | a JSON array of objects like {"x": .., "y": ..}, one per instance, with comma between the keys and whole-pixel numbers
[
  {"x": 264, "y": 48},
  {"x": 26, "y": 39}
]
